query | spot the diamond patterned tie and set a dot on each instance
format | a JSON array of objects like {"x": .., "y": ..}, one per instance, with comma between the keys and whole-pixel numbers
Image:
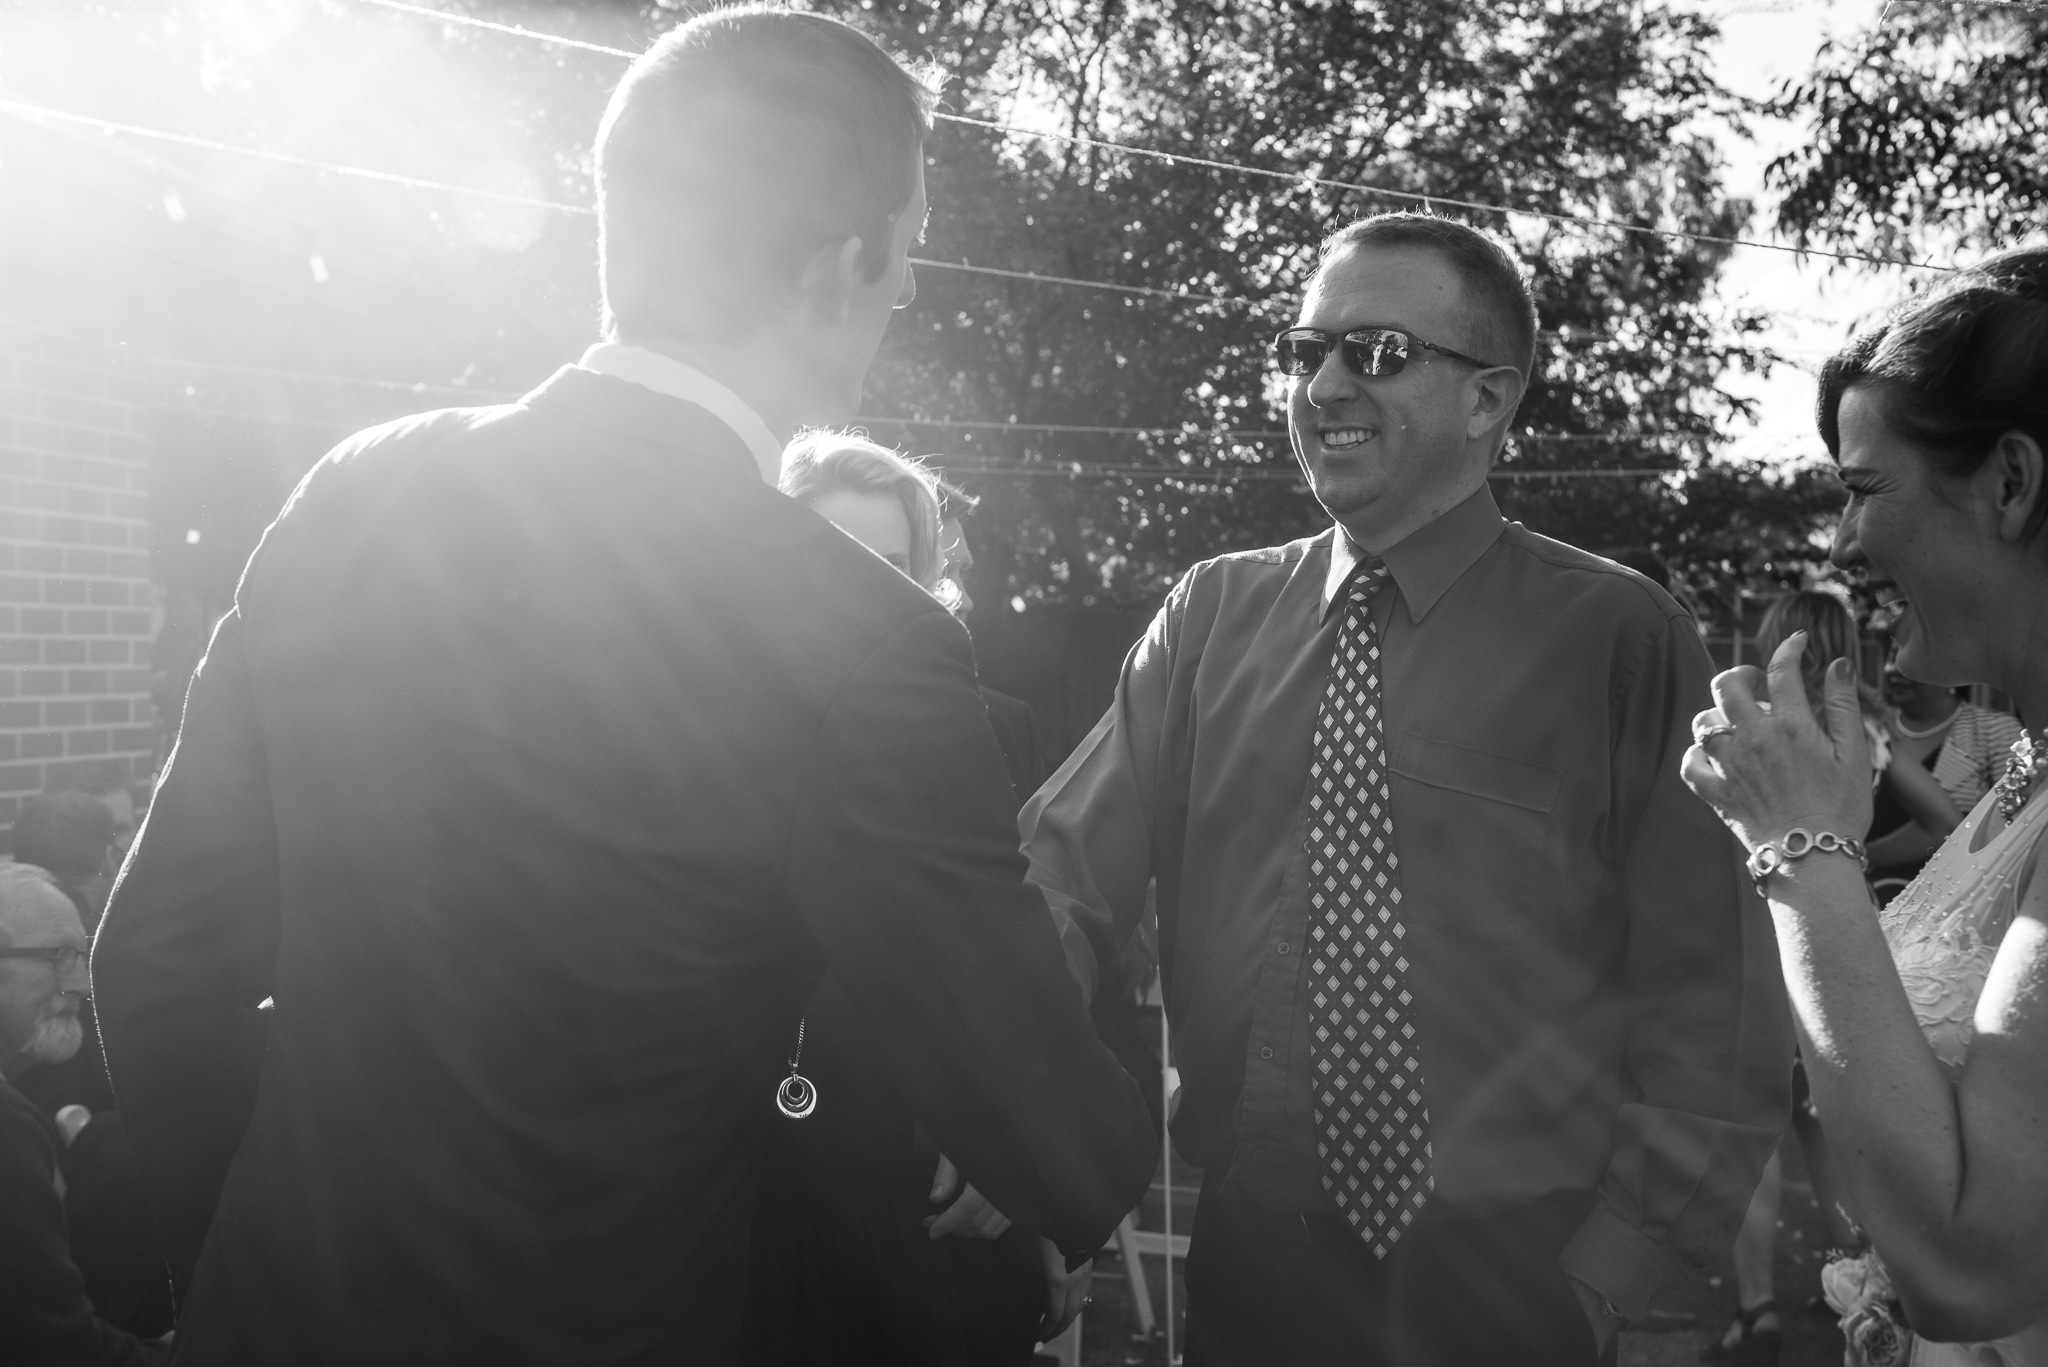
[{"x": 1372, "y": 1128}]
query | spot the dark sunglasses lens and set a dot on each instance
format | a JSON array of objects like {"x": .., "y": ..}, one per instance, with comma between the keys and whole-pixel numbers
[
  {"x": 1376, "y": 351},
  {"x": 1300, "y": 353}
]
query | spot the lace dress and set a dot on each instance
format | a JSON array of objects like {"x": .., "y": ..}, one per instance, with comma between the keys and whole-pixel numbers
[{"x": 1943, "y": 931}]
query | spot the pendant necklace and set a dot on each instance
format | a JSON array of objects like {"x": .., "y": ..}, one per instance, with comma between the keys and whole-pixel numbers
[
  {"x": 796, "y": 1097},
  {"x": 2028, "y": 763}
]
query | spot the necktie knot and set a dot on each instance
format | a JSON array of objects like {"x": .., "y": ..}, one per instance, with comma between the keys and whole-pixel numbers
[{"x": 1365, "y": 579}]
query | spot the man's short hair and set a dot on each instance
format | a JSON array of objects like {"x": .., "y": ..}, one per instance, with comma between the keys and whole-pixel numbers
[
  {"x": 828, "y": 461},
  {"x": 737, "y": 146},
  {"x": 67, "y": 833},
  {"x": 1502, "y": 309}
]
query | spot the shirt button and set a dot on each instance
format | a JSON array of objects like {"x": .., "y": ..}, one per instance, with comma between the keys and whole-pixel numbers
[
  {"x": 1265, "y": 1051},
  {"x": 1285, "y": 947}
]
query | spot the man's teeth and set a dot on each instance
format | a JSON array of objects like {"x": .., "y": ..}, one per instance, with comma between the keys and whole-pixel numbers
[{"x": 1340, "y": 437}]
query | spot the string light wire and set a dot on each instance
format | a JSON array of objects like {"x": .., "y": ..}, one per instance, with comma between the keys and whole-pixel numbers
[
  {"x": 1235, "y": 168},
  {"x": 45, "y": 114}
]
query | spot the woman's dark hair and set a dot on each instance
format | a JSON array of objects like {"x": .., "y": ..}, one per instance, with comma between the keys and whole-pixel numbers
[{"x": 1956, "y": 368}]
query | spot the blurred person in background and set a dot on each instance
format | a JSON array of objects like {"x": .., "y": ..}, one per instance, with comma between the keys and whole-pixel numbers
[
  {"x": 47, "y": 1319},
  {"x": 1923, "y": 1027},
  {"x": 871, "y": 1251},
  {"x": 1016, "y": 726},
  {"x": 113, "y": 1240},
  {"x": 1964, "y": 746},
  {"x": 72, "y": 834},
  {"x": 536, "y": 805},
  {"x": 107, "y": 781}
]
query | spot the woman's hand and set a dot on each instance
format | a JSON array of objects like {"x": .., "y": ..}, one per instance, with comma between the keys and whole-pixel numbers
[
  {"x": 1065, "y": 1292},
  {"x": 1767, "y": 764}
]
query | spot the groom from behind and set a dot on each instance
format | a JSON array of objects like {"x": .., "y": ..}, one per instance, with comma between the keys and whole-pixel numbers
[{"x": 532, "y": 811}]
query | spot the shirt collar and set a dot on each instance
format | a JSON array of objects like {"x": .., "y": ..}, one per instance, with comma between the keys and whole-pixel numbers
[
  {"x": 679, "y": 380},
  {"x": 1428, "y": 560}
]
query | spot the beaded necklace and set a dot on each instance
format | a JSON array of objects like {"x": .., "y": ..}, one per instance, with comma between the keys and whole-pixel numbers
[{"x": 2028, "y": 764}]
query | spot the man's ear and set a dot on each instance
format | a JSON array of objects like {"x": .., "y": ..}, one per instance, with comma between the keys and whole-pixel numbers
[
  {"x": 831, "y": 277},
  {"x": 2019, "y": 483},
  {"x": 1496, "y": 393}
]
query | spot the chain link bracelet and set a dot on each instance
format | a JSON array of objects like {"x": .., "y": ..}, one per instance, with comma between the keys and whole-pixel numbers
[{"x": 1799, "y": 842}]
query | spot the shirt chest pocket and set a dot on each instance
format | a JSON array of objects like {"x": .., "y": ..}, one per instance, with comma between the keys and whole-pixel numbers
[{"x": 1478, "y": 838}]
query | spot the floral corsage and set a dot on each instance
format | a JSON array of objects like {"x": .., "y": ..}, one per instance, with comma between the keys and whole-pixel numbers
[{"x": 1873, "y": 1322}]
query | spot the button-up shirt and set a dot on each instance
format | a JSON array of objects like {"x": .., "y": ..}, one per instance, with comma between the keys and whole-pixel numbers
[{"x": 1598, "y": 1001}]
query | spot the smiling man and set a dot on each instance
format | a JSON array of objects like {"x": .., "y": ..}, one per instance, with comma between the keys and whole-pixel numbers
[{"x": 1479, "y": 1023}]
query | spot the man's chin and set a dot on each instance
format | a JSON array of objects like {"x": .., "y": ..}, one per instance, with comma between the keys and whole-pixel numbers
[{"x": 56, "y": 1039}]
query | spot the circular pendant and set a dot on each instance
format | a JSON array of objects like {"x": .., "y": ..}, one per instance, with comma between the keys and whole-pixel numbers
[{"x": 796, "y": 1097}]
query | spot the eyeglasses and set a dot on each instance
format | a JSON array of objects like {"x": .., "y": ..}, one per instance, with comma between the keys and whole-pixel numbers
[
  {"x": 1366, "y": 351},
  {"x": 63, "y": 957}
]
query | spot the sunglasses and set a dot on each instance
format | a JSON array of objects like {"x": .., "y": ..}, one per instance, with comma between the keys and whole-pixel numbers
[{"x": 1366, "y": 351}]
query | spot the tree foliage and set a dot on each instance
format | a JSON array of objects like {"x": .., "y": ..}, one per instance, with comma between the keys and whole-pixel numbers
[
  {"x": 1930, "y": 133},
  {"x": 1587, "y": 108}
]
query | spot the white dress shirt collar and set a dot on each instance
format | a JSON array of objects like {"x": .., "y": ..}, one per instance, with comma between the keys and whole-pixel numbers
[{"x": 680, "y": 380}]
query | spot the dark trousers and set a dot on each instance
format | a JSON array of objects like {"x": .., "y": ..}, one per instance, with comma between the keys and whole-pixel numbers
[{"x": 1270, "y": 1290}]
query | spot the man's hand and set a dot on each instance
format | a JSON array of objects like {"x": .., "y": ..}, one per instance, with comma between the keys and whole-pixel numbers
[
  {"x": 1065, "y": 1292},
  {"x": 1605, "y": 1326},
  {"x": 970, "y": 1217}
]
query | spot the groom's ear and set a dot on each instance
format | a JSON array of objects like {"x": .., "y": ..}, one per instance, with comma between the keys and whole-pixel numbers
[{"x": 830, "y": 278}]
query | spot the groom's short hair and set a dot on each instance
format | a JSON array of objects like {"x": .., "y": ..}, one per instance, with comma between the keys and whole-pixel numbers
[{"x": 735, "y": 147}]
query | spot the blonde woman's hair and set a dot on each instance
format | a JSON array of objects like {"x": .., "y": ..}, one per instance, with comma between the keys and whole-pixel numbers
[
  {"x": 1830, "y": 636},
  {"x": 827, "y": 461}
]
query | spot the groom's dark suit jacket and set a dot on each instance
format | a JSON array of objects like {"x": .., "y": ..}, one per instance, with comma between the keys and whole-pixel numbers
[{"x": 547, "y": 757}]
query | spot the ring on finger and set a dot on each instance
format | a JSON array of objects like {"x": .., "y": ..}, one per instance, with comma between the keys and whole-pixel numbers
[{"x": 1707, "y": 733}]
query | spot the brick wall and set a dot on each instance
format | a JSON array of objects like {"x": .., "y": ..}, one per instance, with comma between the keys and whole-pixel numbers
[{"x": 75, "y": 596}]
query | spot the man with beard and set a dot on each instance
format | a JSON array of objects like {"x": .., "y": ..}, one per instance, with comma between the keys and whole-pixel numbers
[{"x": 45, "y": 1316}]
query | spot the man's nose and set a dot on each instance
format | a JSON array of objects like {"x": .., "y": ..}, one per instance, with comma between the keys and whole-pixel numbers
[
  {"x": 1333, "y": 381},
  {"x": 909, "y": 290}
]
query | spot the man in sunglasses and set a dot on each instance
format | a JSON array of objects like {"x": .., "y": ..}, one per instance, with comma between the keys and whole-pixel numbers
[{"x": 1479, "y": 1027}]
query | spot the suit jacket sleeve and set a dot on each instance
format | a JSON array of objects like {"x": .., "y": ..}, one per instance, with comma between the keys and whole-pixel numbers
[
  {"x": 903, "y": 861},
  {"x": 188, "y": 950},
  {"x": 1709, "y": 1036}
]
